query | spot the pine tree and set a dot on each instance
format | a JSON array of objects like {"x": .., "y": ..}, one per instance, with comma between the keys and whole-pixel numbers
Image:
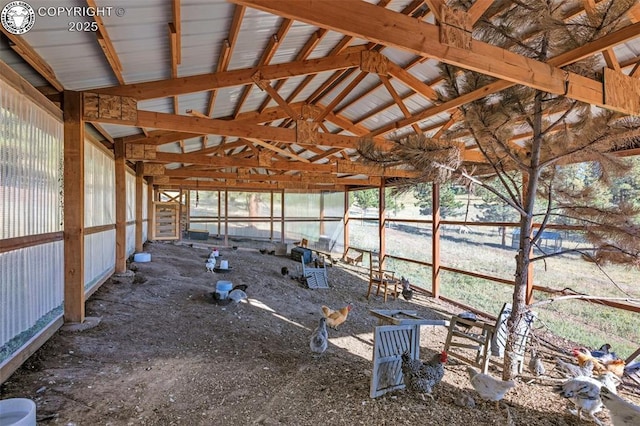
[{"x": 562, "y": 131}]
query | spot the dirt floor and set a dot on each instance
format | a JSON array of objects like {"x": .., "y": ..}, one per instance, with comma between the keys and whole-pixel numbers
[{"x": 164, "y": 354}]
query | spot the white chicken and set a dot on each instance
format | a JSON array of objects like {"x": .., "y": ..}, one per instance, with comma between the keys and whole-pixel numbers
[
  {"x": 584, "y": 392},
  {"x": 488, "y": 387},
  {"x": 623, "y": 413}
]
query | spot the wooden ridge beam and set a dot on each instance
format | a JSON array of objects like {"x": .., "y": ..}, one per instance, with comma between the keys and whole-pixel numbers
[
  {"x": 421, "y": 38},
  {"x": 241, "y": 77}
]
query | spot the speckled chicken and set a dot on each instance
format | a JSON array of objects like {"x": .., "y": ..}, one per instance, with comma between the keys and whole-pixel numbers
[
  {"x": 422, "y": 377},
  {"x": 488, "y": 387},
  {"x": 319, "y": 338},
  {"x": 569, "y": 370},
  {"x": 584, "y": 392}
]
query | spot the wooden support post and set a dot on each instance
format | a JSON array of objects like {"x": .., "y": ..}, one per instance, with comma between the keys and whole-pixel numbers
[
  {"x": 271, "y": 216},
  {"x": 382, "y": 213},
  {"x": 121, "y": 207},
  {"x": 435, "y": 241},
  {"x": 219, "y": 213},
  {"x": 282, "y": 233},
  {"x": 139, "y": 201},
  {"x": 73, "y": 207},
  {"x": 346, "y": 223},
  {"x": 226, "y": 217},
  {"x": 321, "y": 230},
  {"x": 150, "y": 207}
]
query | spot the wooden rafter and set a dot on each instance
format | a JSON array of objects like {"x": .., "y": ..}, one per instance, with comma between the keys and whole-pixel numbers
[
  {"x": 22, "y": 48},
  {"x": 265, "y": 59},
  {"x": 563, "y": 59},
  {"x": 409, "y": 35},
  {"x": 206, "y": 82},
  {"x": 398, "y": 101},
  {"x": 105, "y": 44},
  {"x": 608, "y": 54},
  {"x": 477, "y": 9}
]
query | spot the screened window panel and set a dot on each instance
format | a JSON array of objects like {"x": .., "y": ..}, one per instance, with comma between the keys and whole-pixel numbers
[
  {"x": 131, "y": 196},
  {"x": 99, "y": 256},
  {"x": 99, "y": 186},
  {"x": 31, "y": 165},
  {"x": 31, "y": 291}
]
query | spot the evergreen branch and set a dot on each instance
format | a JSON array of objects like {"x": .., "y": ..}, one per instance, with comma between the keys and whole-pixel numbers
[
  {"x": 547, "y": 214},
  {"x": 560, "y": 119}
]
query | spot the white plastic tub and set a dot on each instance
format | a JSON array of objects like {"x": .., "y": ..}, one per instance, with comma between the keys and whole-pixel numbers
[
  {"x": 142, "y": 257},
  {"x": 17, "y": 412}
]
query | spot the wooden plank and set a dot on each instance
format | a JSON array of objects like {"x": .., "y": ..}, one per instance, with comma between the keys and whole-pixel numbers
[
  {"x": 74, "y": 309},
  {"x": 10, "y": 244},
  {"x": 16, "y": 81},
  {"x": 22, "y": 48},
  {"x": 121, "y": 207},
  {"x": 31, "y": 347},
  {"x": 621, "y": 92},
  {"x": 412, "y": 82},
  {"x": 368, "y": 21},
  {"x": 217, "y": 80}
]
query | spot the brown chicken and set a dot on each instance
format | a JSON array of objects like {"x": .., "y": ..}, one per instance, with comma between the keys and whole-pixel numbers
[
  {"x": 616, "y": 366},
  {"x": 421, "y": 376},
  {"x": 335, "y": 318}
]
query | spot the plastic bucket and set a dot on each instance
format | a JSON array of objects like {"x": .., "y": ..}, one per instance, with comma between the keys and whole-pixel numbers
[
  {"x": 224, "y": 264},
  {"x": 17, "y": 412}
]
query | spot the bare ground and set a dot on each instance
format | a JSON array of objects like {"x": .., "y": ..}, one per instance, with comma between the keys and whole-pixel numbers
[{"x": 164, "y": 354}]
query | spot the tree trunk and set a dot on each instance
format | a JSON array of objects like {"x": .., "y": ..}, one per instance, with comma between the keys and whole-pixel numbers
[{"x": 523, "y": 258}]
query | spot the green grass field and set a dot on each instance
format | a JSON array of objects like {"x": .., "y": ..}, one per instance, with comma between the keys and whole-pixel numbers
[{"x": 479, "y": 250}]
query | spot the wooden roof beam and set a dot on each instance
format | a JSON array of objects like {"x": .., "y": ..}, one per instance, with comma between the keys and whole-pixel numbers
[
  {"x": 329, "y": 108},
  {"x": 304, "y": 53},
  {"x": 356, "y": 18},
  {"x": 477, "y": 9},
  {"x": 182, "y": 123},
  {"x": 399, "y": 102},
  {"x": 563, "y": 59},
  {"x": 608, "y": 54},
  {"x": 22, "y": 48},
  {"x": 206, "y": 82},
  {"x": 177, "y": 25},
  {"x": 105, "y": 44}
]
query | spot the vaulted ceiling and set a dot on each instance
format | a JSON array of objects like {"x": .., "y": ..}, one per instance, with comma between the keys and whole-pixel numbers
[{"x": 276, "y": 94}]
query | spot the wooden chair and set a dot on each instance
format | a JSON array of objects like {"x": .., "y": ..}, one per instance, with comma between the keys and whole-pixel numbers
[
  {"x": 382, "y": 279},
  {"x": 476, "y": 348}
]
